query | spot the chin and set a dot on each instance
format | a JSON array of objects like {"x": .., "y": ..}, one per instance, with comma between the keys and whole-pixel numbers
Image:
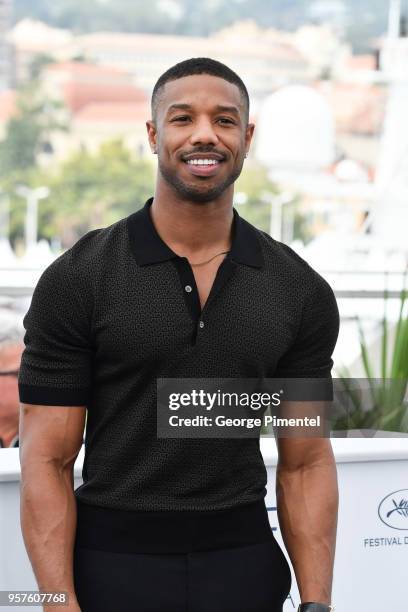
[
  {"x": 201, "y": 193},
  {"x": 201, "y": 197}
]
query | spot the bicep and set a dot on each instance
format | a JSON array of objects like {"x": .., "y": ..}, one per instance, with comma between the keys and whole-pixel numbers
[
  {"x": 51, "y": 433},
  {"x": 299, "y": 447}
]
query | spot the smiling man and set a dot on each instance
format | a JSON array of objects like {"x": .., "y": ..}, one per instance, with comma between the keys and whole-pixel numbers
[{"x": 182, "y": 288}]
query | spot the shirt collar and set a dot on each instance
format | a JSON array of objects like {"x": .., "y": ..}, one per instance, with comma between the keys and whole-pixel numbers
[{"x": 149, "y": 248}]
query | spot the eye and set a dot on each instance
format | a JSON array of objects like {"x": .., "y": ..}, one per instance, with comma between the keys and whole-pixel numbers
[
  {"x": 181, "y": 118},
  {"x": 226, "y": 120}
]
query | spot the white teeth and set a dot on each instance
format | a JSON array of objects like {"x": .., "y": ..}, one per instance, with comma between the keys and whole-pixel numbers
[{"x": 202, "y": 162}]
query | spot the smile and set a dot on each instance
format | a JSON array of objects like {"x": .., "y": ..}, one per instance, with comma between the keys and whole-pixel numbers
[
  {"x": 203, "y": 166},
  {"x": 202, "y": 162}
]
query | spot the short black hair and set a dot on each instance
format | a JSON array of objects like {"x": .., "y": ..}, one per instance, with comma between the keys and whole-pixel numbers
[{"x": 199, "y": 65}]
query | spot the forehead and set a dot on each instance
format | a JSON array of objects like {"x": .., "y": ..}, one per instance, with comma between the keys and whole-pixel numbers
[{"x": 201, "y": 91}]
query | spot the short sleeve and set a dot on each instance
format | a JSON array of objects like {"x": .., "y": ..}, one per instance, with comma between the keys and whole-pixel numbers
[
  {"x": 310, "y": 355},
  {"x": 56, "y": 362}
]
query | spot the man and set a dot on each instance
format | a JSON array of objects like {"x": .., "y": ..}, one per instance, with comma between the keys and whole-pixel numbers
[
  {"x": 11, "y": 347},
  {"x": 183, "y": 288}
]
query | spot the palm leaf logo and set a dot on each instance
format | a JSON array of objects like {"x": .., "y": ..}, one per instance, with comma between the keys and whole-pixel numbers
[{"x": 401, "y": 508}]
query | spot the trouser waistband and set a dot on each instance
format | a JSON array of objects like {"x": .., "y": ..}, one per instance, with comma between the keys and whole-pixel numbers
[{"x": 173, "y": 532}]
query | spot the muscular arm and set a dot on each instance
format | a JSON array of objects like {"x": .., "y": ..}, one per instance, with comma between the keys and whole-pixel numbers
[
  {"x": 307, "y": 506},
  {"x": 50, "y": 440}
]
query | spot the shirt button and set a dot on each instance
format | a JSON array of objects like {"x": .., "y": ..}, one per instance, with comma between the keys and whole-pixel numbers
[
  {"x": 201, "y": 324},
  {"x": 188, "y": 288}
]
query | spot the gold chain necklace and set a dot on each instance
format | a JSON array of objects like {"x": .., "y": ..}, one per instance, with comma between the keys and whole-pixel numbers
[{"x": 202, "y": 263}]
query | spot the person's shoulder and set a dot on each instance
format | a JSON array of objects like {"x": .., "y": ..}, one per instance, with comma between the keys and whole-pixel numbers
[
  {"x": 84, "y": 258},
  {"x": 283, "y": 258},
  {"x": 279, "y": 253},
  {"x": 95, "y": 244}
]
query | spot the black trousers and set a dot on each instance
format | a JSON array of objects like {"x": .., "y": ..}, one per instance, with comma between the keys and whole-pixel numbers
[{"x": 250, "y": 578}]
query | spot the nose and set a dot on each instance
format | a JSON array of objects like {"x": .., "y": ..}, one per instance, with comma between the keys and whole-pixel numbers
[{"x": 203, "y": 132}]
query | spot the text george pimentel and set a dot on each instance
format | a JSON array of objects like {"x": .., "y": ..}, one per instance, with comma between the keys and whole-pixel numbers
[
  {"x": 223, "y": 421},
  {"x": 255, "y": 401}
]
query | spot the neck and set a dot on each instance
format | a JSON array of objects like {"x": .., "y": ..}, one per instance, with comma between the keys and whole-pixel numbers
[{"x": 193, "y": 229}]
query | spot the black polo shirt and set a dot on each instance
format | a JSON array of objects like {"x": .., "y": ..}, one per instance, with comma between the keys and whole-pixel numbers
[{"x": 120, "y": 309}]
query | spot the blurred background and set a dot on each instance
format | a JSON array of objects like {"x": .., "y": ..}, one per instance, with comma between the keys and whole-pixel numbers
[{"x": 327, "y": 172}]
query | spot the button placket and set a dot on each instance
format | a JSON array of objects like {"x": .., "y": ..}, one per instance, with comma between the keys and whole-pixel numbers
[
  {"x": 190, "y": 293},
  {"x": 224, "y": 272},
  {"x": 190, "y": 290}
]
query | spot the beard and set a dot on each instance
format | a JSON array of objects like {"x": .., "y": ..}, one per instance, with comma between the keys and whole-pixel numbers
[{"x": 193, "y": 192}]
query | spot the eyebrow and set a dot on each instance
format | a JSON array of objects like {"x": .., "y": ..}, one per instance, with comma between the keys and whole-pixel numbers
[
  {"x": 227, "y": 109},
  {"x": 219, "y": 108}
]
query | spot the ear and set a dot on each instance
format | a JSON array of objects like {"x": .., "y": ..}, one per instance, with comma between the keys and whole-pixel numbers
[
  {"x": 152, "y": 135},
  {"x": 249, "y": 132}
]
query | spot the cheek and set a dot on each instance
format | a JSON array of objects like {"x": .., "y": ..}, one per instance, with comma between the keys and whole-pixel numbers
[
  {"x": 237, "y": 147},
  {"x": 172, "y": 143}
]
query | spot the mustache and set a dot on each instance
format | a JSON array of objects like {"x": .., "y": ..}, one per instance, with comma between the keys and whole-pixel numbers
[{"x": 203, "y": 151}]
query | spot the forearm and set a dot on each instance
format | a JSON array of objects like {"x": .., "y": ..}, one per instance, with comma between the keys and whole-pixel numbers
[
  {"x": 307, "y": 506},
  {"x": 48, "y": 522}
]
